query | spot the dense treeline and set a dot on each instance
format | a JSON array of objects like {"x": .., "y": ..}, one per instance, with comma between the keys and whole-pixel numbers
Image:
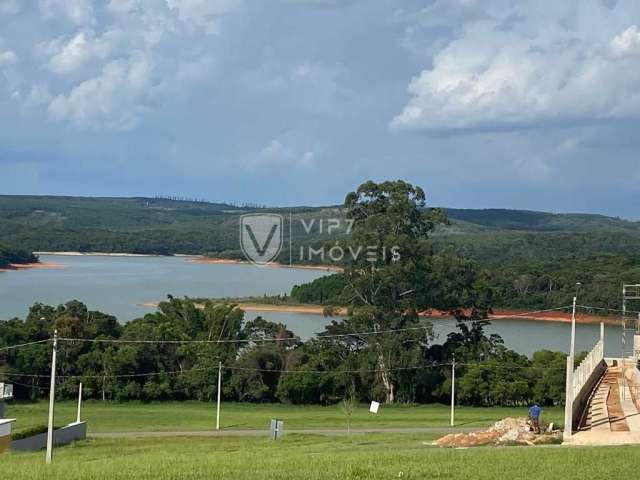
[
  {"x": 524, "y": 286},
  {"x": 162, "y": 226},
  {"x": 488, "y": 373},
  {"x": 15, "y": 255},
  {"x": 507, "y": 247}
]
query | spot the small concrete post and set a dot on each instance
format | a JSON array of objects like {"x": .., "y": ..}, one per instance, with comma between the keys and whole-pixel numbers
[
  {"x": 79, "y": 403},
  {"x": 219, "y": 395},
  {"x": 602, "y": 332},
  {"x": 453, "y": 391}
]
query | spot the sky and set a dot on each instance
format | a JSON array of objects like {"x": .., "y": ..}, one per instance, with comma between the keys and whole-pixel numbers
[{"x": 483, "y": 103}]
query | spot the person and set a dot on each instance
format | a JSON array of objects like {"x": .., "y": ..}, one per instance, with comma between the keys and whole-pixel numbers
[{"x": 534, "y": 417}]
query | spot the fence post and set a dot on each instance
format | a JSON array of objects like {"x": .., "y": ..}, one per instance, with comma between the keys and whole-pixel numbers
[{"x": 79, "y": 403}]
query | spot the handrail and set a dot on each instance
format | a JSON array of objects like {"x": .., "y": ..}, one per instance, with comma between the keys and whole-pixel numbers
[{"x": 583, "y": 372}]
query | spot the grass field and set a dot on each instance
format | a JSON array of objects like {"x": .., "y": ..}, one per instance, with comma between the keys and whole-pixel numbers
[
  {"x": 374, "y": 456},
  {"x": 198, "y": 416}
]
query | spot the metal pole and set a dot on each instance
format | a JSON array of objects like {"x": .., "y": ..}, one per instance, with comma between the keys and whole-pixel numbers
[
  {"x": 52, "y": 397},
  {"x": 624, "y": 337},
  {"x": 79, "y": 402},
  {"x": 453, "y": 391},
  {"x": 219, "y": 395},
  {"x": 624, "y": 316}
]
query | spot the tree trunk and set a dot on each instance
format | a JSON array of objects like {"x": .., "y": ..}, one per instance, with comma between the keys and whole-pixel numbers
[{"x": 386, "y": 381}]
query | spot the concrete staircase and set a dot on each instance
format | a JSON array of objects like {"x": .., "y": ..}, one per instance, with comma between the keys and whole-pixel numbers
[
  {"x": 597, "y": 413},
  {"x": 612, "y": 415}
]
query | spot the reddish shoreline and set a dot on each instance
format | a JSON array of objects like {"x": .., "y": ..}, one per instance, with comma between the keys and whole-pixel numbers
[
  {"x": 497, "y": 315},
  {"x": 29, "y": 266},
  {"x": 229, "y": 261},
  {"x": 554, "y": 316}
]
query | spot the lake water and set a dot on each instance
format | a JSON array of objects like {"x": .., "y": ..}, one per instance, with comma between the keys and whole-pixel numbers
[{"x": 118, "y": 285}]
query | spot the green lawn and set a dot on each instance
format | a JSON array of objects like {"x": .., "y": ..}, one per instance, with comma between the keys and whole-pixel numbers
[
  {"x": 189, "y": 416},
  {"x": 315, "y": 457}
]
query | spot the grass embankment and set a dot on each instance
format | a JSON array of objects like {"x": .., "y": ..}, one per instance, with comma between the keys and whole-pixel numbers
[
  {"x": 367, "y": 457},
  {"x": 199, "y": 416}
]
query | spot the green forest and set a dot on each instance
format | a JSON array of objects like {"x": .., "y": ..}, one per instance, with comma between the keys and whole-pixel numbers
[
  {"x": 518, "y": 285},
  {"x": 322, "y": 370},
  {"x": 163, "y": 226},
  {"x": 381, "y": 349},
  {"x": 10, "y": 256}
]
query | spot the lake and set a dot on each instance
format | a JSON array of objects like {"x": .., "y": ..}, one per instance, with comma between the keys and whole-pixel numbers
[{"x": 119, "y": 285}]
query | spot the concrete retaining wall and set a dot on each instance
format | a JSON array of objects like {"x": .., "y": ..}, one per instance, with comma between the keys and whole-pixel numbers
[
  {"x": 582, "y": 399},
  {"x": 61, "y": 436}
]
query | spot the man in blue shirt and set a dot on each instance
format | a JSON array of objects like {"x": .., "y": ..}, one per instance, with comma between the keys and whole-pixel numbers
[{"x": 534, "y": 416}]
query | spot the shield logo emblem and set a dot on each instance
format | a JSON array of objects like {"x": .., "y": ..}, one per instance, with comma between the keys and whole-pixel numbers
[{"x": 261, "y": 237}]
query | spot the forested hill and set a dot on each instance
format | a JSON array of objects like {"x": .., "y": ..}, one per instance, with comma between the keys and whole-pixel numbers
[
  {"x": 505, "y": 219},
  {"x": 166, "y": 226}
]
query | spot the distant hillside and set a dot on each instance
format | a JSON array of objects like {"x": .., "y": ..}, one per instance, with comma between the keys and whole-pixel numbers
[
  {"x": 525, "y": 220},
  {"x": 162, "y": 226}
]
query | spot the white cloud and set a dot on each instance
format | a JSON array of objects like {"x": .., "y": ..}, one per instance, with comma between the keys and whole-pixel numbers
[
  {"x": 203, "y": 14},
  {"x": 107, "y": 65},
  {"x": 114, "y": 99},
  {"x": 78, "y": 12},
  {"x": 68, "y": 55},
  {"x": 627, "y": 43},
  {"x": 8, "y": 58},
  {"x": 493, "y": 76},
  {"x": 122, "y": 6},
  {"x": 278, "y": 154}
]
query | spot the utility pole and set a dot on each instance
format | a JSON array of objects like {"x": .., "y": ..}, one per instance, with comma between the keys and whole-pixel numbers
[
  {"x": 52, "y": 398},
  {"x": 453, "y": 390},
  {"x": 79, "y": 402},
  {"x": 572, "y": 349},
  {"x": 219, "y": 395},
  {"x": 568, "y": 410}
]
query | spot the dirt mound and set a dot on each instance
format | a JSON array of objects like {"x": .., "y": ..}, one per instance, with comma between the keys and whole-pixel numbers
[{"x": 509, "y": 431}]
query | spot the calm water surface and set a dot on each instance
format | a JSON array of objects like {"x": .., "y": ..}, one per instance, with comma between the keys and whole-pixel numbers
[{"x": 118, "y": 285}]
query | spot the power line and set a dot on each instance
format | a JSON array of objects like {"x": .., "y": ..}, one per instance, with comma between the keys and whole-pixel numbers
[
  {"x": 11, "y": 347},
  {"x": 286, "y": 371},
  {"x": 239, "y": 340},
  {"x": 278, "y": 339},
  {"x": 533, "y": 312},
  {"x": 608, "y": 309},
  {"x": 44, "y": 389},
  {"x": 338, "y": 372}
]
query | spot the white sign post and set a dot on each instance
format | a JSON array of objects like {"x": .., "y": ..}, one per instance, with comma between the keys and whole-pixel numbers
[{"x": 374, "y": 407}]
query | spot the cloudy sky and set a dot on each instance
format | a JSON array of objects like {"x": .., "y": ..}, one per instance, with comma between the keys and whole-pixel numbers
[{"x": 484, "y": 103}]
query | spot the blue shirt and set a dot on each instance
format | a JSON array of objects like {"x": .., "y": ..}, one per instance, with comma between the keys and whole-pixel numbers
[{"x": 534, "y": 412}]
